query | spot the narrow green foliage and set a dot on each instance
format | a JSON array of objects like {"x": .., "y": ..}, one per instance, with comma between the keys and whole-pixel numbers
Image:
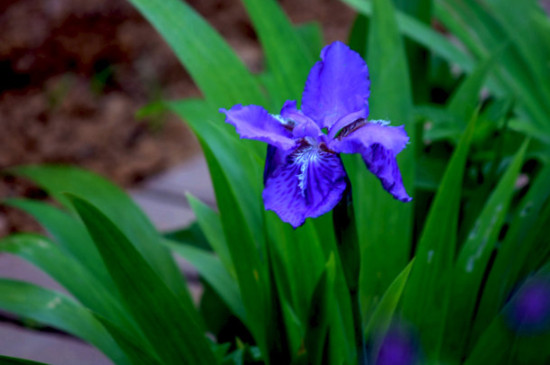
[
  {"x": 417, "y": 56},
  {"x": 320, "y": 314},
  {"x": 76, "y": 279},
  {"x": 519, "y": 72},
  {"x": 504, "y": 343},
  {"x": 145, "y": 296},
  {"x": 211, "y": 269},
  {"x": 139, "y": 353},
  {"x": 473, "y": 258},
  {"x": 384, "y": 313},
  {"x": 513, "y": 251},
  {"x": 215, "y": 68},
  {"x": 58, "y": 310},
  {"x": 423, "y": 34},
  {"x": 466, "y": 98},
  {"x": 211, "y": 225},
  {"x": 288, "y": 59},
  {"x": 384, "y": 224},
  {"x": 70, "y": 235},
  {"x": 427, "y": 293},
  {"x": 116, "y": 205}
]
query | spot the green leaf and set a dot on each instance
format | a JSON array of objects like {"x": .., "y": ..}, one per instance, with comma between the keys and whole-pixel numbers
[
  {"x": 6, "y": 360},
  {"x": 466, "y": 98},
  {"x": 242, "y": 168},
  {"x": 147, "y": 298},
  {"x": 210, "y": 223},
  {"x": 236, "y": 177},
  {"x": 288, "y": 59},
  {"x": 482, "y": 28},
  {"x": 190, "y": 235},
  {"x": 70, "y": 234},
  {"x": 383, "y": 315},
  {"x": 212, "y": 270},
  {"x": 418, "y": 58},
  {"x": 358, "y": 35},
  {"x": 321, "y": 311},
  {"x": 501, "y": 343},
  {"x": 77, "y": 280},
  {"x": 512, "y": 252},
  {"x": 59, "y": 311},
  {"x": 311, "y": 35},
  {"x": 218, "y": 72},
  {"x": 297, "y": 260},
  {"x": 384, "y": 224},
  {"x": 138, "y": 353},
  {"x": 423, "y": 34},
  {"x": 116, "y": 205},
  {"x": 473, "y": 258},
  {"x": 426, "y": 295}
]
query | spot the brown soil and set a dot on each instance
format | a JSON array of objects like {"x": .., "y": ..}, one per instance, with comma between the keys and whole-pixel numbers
[{"x": 74, "y": 73}]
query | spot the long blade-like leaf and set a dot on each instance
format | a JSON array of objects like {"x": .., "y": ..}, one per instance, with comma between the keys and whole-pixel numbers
[
  {"x": 423, "y": 34},
  {"x": 71, "y": 236},
  {"x": 77, "y": 280},
  {"x": 117, "y": 205},
  {"x": 59, "y": 311},
  {"x": 221, "y": 76},
  {"x": 426, "y": 295},
  {"x": 212, "y": 270},
  {"x": 472, "y": 260},
  {"x": 384, "y": 224},
  {"x": 505, "y": 270},
  {"x": 171, "y": 326},
  {"x": 288, "y": 59}
]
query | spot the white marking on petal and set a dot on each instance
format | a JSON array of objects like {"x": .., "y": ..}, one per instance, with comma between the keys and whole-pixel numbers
[
  {"x": 303, "y": 159},
  {"x": 381, "y": 122},
  {"x": 282, "y": 120}
]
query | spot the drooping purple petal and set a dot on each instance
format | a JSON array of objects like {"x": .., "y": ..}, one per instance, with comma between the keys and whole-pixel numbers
[
  {"x": 254, "y": 122},
  {"x": 337, "y": 85},
  {"x": 307, "y": 183},
  {"x": 378, "y": 144}
]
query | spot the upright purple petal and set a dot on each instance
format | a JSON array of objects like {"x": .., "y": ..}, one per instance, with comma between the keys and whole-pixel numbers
[
  {"x": 378, "y": 144},
  {"x": 254, "y": 122},
  {"x": 337, "y": 85},
  {"x": 307, "y": 183}
]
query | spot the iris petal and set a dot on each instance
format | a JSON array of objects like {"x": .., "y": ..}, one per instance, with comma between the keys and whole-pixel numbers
[
  {"x": 254, "y": 122},
  {"x": 337, "y": 85},
  {"x": 303, "y": 125},
  {"x": 378, "y": 144},
  {"x": 307, "y": 183}
]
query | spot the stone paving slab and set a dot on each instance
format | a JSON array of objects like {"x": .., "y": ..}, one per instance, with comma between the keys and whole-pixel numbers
[
  {"x": 163, "y": 200},
  {"x": 163, "y": 196},
  {"x": 49, "y": 348}
]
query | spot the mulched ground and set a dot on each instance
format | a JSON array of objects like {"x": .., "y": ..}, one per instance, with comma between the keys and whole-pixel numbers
[{"x": 74, "y": 73}]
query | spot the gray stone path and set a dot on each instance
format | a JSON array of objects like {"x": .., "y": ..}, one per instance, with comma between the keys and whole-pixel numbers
[{"x": 163, "y": 199}]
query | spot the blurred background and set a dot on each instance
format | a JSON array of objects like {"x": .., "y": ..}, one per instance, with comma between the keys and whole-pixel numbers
[{"x": 73, "y": 74}]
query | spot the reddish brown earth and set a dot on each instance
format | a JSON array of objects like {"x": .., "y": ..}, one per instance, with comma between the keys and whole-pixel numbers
[{"x": 74, "y": 73}]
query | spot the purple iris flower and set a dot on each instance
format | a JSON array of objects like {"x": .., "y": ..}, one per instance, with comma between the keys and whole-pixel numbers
[{"x": 304, "y": 176}]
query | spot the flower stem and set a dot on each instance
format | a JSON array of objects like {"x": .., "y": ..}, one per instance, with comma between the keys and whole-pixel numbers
[{"x": 350, "y": 257}]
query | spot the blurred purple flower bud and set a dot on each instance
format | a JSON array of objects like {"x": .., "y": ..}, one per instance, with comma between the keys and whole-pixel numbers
[
  {"x": 529, "y": 310},
  {"x": 399, "y": 347}
]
